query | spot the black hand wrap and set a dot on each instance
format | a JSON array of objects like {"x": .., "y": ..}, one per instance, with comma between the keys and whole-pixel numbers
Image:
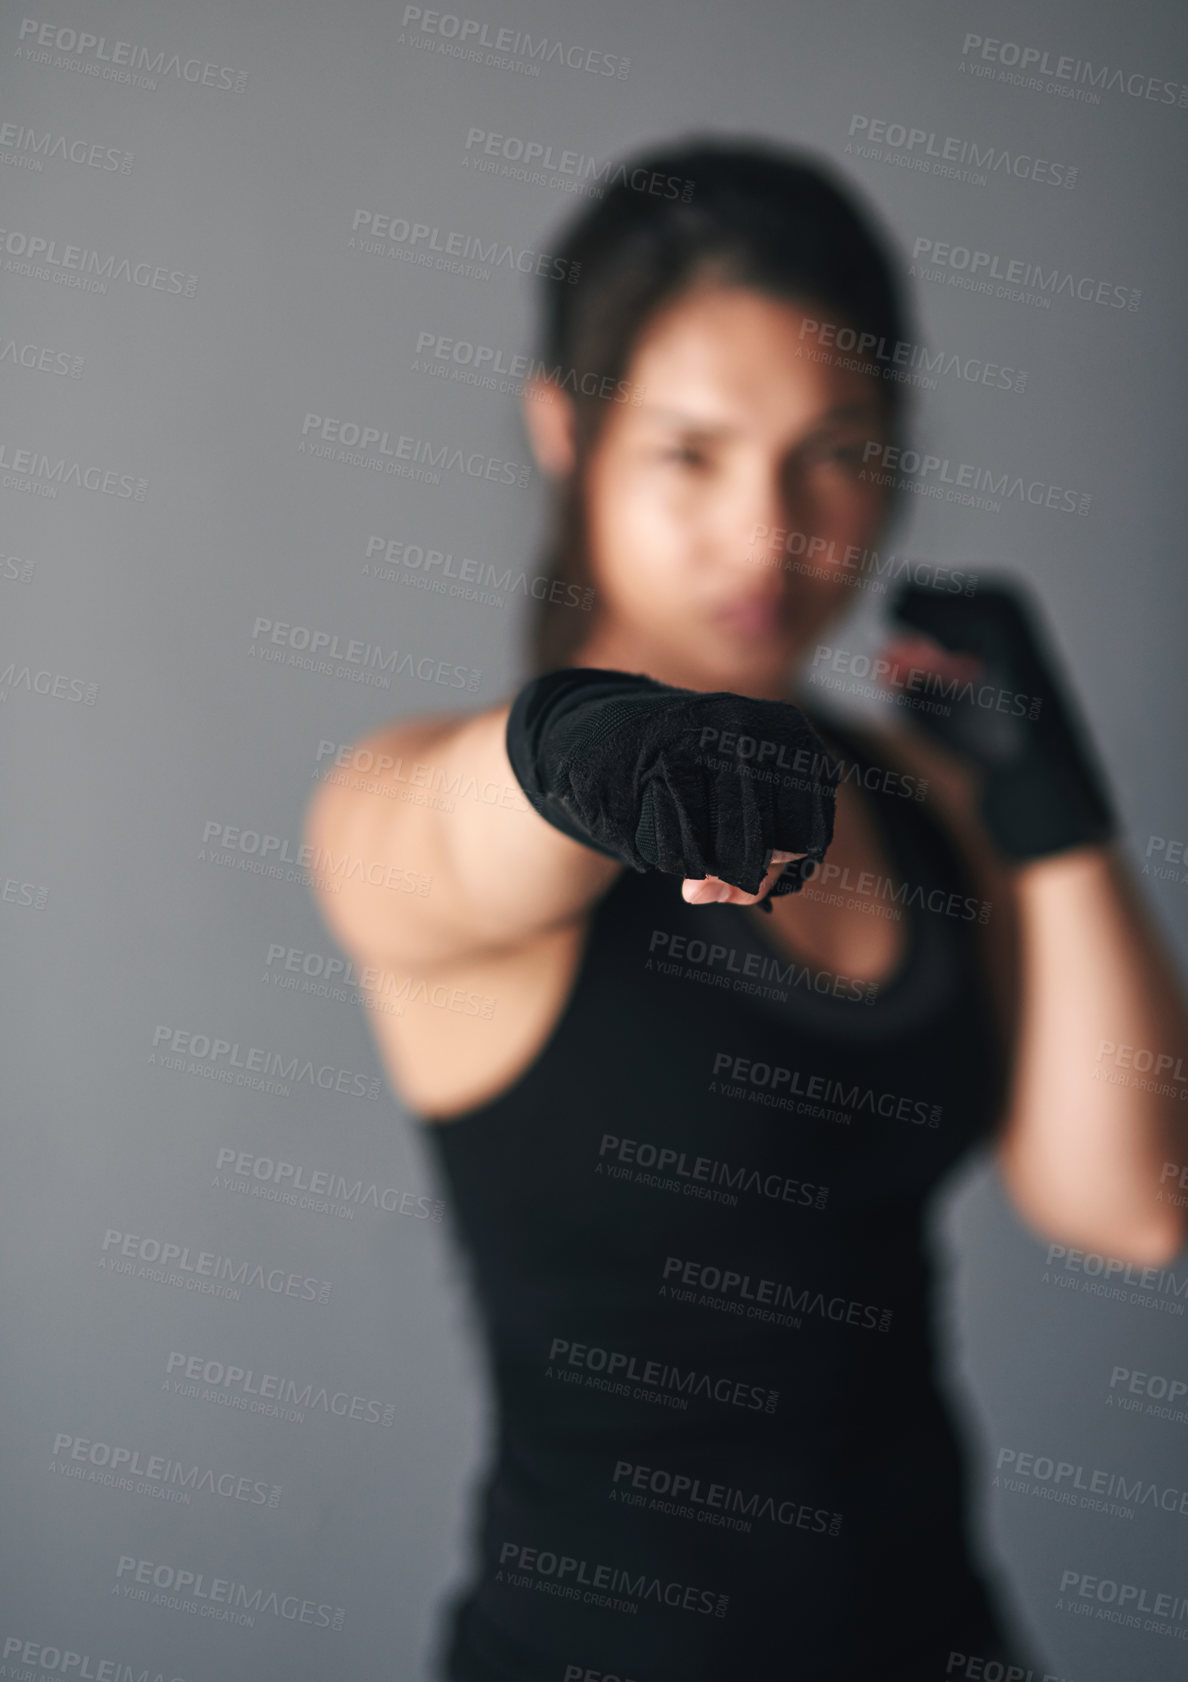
[
  {"x": 660, "y": 779},
  {"x": 1043, "y": 790}
]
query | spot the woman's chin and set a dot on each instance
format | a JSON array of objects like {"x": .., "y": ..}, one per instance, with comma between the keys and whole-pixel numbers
[{"x": 749, "y": 666}]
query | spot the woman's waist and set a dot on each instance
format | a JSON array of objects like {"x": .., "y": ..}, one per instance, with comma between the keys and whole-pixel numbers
[
  {"x": 733, "y": 1455},
  {"x": 691, "y": 1281},
  {"x": 719, "y": 1452},
  {"x": 699, "y": 1333},
  {"x": 803, "y": 1523}
]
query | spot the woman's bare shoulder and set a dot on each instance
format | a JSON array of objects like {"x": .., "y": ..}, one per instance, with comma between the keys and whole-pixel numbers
[{"x": 941, "y": 778}]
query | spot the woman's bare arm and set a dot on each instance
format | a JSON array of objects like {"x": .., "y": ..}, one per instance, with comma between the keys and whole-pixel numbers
[
  {"x": 437, "y": 796},
  {"x": 1087, "y": 1144},
  {"x": 1084, "y": 1148}
]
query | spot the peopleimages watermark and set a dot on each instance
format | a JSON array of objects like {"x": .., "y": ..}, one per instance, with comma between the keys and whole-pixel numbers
[
  {"x": 429, "y": 568},
  {"x": 977, "y": 1668},
  {"x": 493, "y": 369},
  {"x": 336, "y": 440},
  {"x": 253, "y": 1064},
  {"x": 66, "y": 1661},
  {"x": 202, "y": 1378},
  {"x": 681, "y": 1495},
  {"x": 40, "y": 473},
  {"x": 121, "y": 61},
  {"x": 866, "y": 885},
  {"x": 1163, "y": 1067},
  {"x": 316, "y": 1188},
  {"x": 473, "y": 256},
  {"x": 655, "y": 1381},
  {"x": 375, "y": 986},
  {"x": 1020, "y": 279},
  {"x": 1105, "y": 1276},
  {"x": 538, "y": 162},
  {"x": 505, "y": 47},
  {"x": 1070, "y": 1484},
  {"x": 17, "y": 569},
  {"x": 1077, "y": 78},
  {"x": 159, "y": 1475},
  {"x": 843, "y": 346},
  {"x": 201, "y": 1270},
  {"x": 587, "y": 1673},
  {"x": 610, "y": 1586},
  {"x": 747, "y": 1077},
  {"x": 1177, "y": 1173},
  {"x": 43, "y": 359},
  {"x": 716, "y": 965},
  {"x": 931, "y": 475},
  {"x": 1151, "y": 1393},
  {"x": 956, "y": 159},
  {"x": 331, "y": 655},
  {"x": 85, "y": 269},
  {"x": 61, "y": 686},
  {"x": 814, "y": 771},
  {"x": 764, "y": 1298},
  {"x": 15, "y": 892},
  {"x": 1176, "y": 867},
  {"x": 703, "y": 1176},
  {"x": 908, "y": 681},
  {"x": 220, "y": 1598},
  {"x": 31, "y": 150},
  {"x": 815, "y": 556},
  {"x": 1122, "y": 1603},
  {"x": 232, "y": 847},
  {"x": 418, "y": 781}
]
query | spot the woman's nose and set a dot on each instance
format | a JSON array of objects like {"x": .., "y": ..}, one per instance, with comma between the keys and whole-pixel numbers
[{"x": 767, "y": 515}]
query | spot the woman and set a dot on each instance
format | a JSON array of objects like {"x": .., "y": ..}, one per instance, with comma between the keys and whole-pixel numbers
[{"x": 691, "y": 1149}]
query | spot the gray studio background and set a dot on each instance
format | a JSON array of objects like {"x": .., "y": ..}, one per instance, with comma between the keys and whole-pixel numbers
[{"x": 156, "y": 719}]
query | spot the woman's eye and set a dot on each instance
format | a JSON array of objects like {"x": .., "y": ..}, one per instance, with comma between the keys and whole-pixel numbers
[
  {"x": 850, "y": 455},
  {"x": 684, "y": 454}
]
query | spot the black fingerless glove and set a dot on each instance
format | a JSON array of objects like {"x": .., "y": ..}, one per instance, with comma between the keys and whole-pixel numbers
[
  {"x": 658, "y": 777},
  {"x": 1043, "y": 790}
]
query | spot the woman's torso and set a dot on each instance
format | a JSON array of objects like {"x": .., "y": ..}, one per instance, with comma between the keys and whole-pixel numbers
[
  {"x": 694, "y": 1217},
  {"x": 455, "y": 1040}
]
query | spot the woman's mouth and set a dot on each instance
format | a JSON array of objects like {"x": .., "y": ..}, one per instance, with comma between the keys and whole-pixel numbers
[{"x": 757, "y": 618}]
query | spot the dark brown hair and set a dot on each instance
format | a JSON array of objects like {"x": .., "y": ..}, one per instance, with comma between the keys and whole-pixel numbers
[{"x": 729, "y": 212}]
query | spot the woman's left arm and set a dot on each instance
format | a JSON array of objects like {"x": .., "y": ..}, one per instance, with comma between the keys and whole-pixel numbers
[
  {"x": 1095, "y": 1131},
  {"x": 1097, "y": 1120}
]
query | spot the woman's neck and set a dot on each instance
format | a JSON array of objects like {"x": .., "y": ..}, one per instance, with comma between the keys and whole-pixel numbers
[{"x": 617, "y": 650}]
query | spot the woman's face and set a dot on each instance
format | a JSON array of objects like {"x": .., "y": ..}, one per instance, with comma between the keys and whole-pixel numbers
[{"x": 730, "y": 504}]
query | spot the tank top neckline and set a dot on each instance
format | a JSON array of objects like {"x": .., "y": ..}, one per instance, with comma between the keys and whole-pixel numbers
[
  {"x": 907, "y": 966},
  {"x": 916, "y": 984},
  {"x": 927, "y": 965}
]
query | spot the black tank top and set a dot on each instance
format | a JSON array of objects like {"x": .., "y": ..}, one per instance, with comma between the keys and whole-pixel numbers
[{"x": 695, "y": 1233}]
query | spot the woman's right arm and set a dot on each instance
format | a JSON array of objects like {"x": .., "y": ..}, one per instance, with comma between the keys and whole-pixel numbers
[{"x": 499, "y": 873}]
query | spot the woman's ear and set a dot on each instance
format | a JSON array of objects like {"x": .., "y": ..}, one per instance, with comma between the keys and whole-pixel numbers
[{"x": 548, "y": 418}]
